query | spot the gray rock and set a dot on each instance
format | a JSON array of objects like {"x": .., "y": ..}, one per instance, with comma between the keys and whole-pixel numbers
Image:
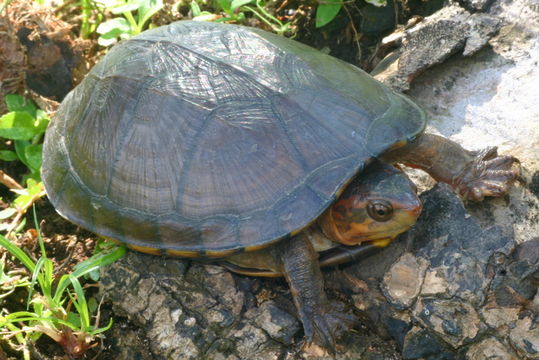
[
  {"x": 181, "y": 310},
  {"x": 476, "y": 5},
  {"x": 403, "y": 282},
  {"x": 430, "y": 42},
  {"x": 421, "y": 344},
  {"x": 473, "y": 282},
  {"x": 277, "y": 323},
  {"x": 186, "y": 312},
  {"x": 490, "y": 99},
  {"x": 490, "y": 348}
]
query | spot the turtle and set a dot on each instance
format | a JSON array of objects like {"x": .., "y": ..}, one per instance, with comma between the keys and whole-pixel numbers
[{"x": 223, "y": 142}]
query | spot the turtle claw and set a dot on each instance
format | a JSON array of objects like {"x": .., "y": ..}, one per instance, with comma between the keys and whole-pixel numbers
[
  {"x": 323, "y": 326},
  {"x": 487, "y": 174}
]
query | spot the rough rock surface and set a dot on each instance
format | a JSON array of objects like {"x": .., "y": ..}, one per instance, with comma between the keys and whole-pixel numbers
[
  {"x": 476, "y": 284},
  {"x": 182, "y": 310},
  {"x": 490, "y": 99},
  {"x": 462, "y": 284},
  {"x": 446, "y": 32}
]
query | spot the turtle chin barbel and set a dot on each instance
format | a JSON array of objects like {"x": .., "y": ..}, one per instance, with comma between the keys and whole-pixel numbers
[{"x": 208, "y": 140}]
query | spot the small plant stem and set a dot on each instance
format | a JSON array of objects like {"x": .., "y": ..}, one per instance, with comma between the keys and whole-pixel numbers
[
  {"x": 9, "y": 181},
  {"x": 86, "y": 14},
  {"x": 263, "y": 18},
  {"x": 22, "y": 210},
  {"x": 132, "y": 21},
  {"x": 282, "y": 6}
]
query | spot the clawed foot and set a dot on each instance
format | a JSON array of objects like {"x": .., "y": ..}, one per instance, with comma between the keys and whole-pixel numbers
[
  {"x": 323, "y": 326},
  {"x": 488, "y": 174}
]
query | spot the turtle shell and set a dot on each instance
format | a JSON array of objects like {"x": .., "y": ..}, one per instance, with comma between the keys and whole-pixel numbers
[{"x": 201, "y": 139}]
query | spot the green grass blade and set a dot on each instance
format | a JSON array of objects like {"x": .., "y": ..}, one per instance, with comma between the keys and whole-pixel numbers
[
  {"x": 48, "y": 321},
  {"x": 65, "y": 280},
  {"x": 101, "y": 259},
  {"x": 103, "y": 329},
  {"x": 80, "y": 303},
  {"x": 36, "y": 278},
  {"x": 18, "y": 253},
  {"x": 39, "y": 237}
]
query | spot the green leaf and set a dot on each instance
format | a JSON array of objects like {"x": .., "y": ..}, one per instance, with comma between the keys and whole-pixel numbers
[
  {"x": 225, "y": 6},
  {"x": 33, "y": 154},
  {"x": 26, "y": 195},
  {"x": 7, "y": 213},
  {"x": 117, "y": 24},
  {"x": 100, "y": 259},
  {"x": 147, "y": 9},
  {"x": 195, "y": 9},
  {"x": 107, "y": 40},
  {"x": 113, "y": 29},
  {"x": 19, "y": 103},
  {"x": 20, "y": 145},
  {"x": 122, "y": 8},
  {"x": 7, "y": 155},
  {"x": 17, "y": 125},
  {"x": 327, "y": 11},
  {"x": 74, "y": 319},
  {"x": 93, "y": 305},
  {"x": 239, "y": 3},
  {"x": 42, "y": 121}
]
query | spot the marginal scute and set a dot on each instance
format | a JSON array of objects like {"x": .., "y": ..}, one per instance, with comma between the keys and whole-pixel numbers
[{"x": 202, "y": 138}]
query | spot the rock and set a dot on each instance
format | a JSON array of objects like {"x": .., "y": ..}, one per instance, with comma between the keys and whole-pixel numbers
[
  {"x": 402, "y": 283},
  {"x": 455, "y": 321},
  {"x": 476, "y": 5},
  {"x": 482, "y": 28},
  {"x": 490, "y": 348},
  {"x": 490, "y": 100},
  {"x": 277, "y": 323},
  {"x": 377, "y": 20},
  {"x": 187, "y": 312},
  {"x": 430, "y": 42},
  {"x": 525, "y": 336},
  {"x": 473, "y": 282},
  {"x": 421, "y": 344},
  {"x": 181, "y": 310}
]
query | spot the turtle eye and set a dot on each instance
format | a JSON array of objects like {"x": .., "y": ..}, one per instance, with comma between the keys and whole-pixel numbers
[{"x": 380, "y": 210}]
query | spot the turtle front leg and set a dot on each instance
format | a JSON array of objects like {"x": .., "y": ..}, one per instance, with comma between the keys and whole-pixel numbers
[
  {"x": 323, "y": 321},
  {"x": 473, "y": 174}
]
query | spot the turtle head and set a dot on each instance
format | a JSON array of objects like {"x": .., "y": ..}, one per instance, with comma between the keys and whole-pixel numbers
[{"x": 379, "y": 204}]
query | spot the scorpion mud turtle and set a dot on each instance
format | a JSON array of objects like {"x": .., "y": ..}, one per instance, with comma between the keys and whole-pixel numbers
[{"x": 210, "y": 140}]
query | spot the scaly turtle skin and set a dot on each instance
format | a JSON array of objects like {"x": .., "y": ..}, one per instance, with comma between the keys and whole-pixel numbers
[{"x": 208, "y": 140}]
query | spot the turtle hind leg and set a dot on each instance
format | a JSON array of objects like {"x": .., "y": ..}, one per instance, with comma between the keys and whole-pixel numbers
[
  {"x": 473, "y": 174},
  {"x": 323, "y": 321}
]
